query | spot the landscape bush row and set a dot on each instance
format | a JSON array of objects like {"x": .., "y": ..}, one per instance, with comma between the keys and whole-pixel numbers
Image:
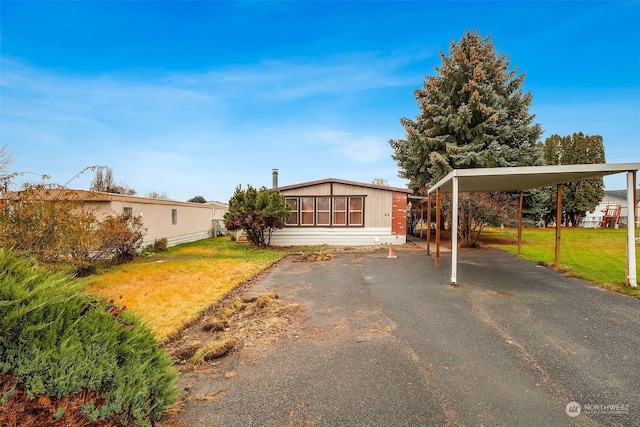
[{"x": 57, "y": 341}]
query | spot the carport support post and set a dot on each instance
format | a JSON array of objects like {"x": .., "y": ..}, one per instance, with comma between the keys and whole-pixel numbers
[
  {"x": 558, "y": 221},
  {"x": 421, "y": 218},
  {"x": 520, "y": 224},
  {"x": 454, "y": 232},
  {"x": 438, "y": 227},
  {"x": 428, "y": 223},
  {"x": 631, "y": 230}
]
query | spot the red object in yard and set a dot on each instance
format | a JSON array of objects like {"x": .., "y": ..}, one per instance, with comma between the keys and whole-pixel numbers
[{"x": 611, "y": 216}]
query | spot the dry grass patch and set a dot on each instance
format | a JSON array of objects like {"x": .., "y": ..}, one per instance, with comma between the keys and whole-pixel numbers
[
  {"x": 214, "y": 350},
  {"x": 313, "y": 257},
  {"x": 241, "y": 323},
  {"x": 171, "y": 290}
]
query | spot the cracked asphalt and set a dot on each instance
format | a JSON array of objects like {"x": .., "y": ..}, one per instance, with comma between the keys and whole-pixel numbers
[{"x": 388, "y": 342}]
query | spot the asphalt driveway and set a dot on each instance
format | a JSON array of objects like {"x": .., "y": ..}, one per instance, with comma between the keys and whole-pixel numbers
[{"x": 388, "y": 342}]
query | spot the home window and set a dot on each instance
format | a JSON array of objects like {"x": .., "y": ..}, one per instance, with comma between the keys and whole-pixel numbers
[
  {"x": 174, "y": 216},
  {"x": 323, "y": 211},
  {"x": 306, "y": 210},
  {"x": 356, "y": 211},
  {"x": 340, "y": 211},
  {"x": 128, "y": 211},
  {"x": 293, "y": 207},
  {"x": 326, "y": 211}
]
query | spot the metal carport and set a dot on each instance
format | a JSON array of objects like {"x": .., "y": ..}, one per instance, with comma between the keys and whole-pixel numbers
[{"x": 512, "y": 179}]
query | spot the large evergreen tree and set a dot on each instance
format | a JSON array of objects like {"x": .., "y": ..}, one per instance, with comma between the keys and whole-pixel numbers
[
  {"x": 473, "y": 113},
  {"x": 578, "y": 197}
]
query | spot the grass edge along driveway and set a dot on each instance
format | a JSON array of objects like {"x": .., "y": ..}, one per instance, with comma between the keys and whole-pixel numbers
[
  {"x": 595, "y": 255},
  {"x": 171, "y": 289}
]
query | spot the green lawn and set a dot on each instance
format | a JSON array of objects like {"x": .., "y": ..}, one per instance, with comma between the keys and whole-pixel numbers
[{"x": 598, "y": 256}]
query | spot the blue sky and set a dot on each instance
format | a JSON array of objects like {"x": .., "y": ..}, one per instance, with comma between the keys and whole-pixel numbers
[{"x": 194, "y": 98}]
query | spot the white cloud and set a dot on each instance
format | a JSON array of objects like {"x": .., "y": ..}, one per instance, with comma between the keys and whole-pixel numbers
[{"x": 202, "y": 130}]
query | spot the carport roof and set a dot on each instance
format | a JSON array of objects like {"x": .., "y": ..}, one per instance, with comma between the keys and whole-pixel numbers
[{"x": 525, "y": 178}]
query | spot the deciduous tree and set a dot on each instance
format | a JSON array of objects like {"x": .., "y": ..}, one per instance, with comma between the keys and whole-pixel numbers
[
  {"x": 53, "y": 225},
  {"x": 104, "y": 182},
  {"x": 157, "y": 195}
]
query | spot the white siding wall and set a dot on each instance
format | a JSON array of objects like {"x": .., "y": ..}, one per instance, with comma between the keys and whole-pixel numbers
[
  {"x": 591, "y": 219},
  {"x": 194, "y": 220},
  {"x": 300, "y": 236}
]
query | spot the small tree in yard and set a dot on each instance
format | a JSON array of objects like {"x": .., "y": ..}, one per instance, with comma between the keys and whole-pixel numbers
[
  {"x": 258, "y": 212},
  {"x": 481, "y": 210}
]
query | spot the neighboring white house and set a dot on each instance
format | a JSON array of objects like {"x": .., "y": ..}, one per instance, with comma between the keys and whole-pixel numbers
[
  {"x": 219, "y": 209},
  {"x": 338, "y": 212},
  {"x": 611, "y": 199},
  {"x": 178, "y": 222}
]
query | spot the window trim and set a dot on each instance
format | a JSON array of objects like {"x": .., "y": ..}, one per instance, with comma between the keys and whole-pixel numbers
[
  {"x": 295, "y": 213},
  {"x": 360, "y": 211},
  {"x": 304, "y": 211},
  {"x": 314, "y": 213},
  {"x": 174, "y": 216},
  {"x": 343, "y": 211},
  {"x": 326, "y": 211}
]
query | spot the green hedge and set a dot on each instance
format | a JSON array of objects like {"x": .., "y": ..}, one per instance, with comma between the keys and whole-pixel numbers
[{"x": 58, "y": 341}]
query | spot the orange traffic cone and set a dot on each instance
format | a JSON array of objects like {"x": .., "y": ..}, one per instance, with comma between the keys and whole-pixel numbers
[{"x": 392, "y": 253}]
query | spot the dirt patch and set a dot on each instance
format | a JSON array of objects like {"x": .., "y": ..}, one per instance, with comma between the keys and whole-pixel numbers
[
  {"x": 445, "y": 239},
  {"x": 225, "y": 329},
  {"x": 313, "y": 256},
  {"x": 499, "y": 293},
  {"x": 233, "y": 325}
]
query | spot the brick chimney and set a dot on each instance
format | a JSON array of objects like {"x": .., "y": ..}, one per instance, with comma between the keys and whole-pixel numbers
[{"x": 274, "y": 172}]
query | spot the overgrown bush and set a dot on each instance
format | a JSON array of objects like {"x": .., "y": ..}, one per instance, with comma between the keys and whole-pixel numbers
[
  {"x": 57, "y": 341},
  {"x": 160, "y": 245},
  {"x": 54, "y": 225},
  {"x": 121, "y": 235}
]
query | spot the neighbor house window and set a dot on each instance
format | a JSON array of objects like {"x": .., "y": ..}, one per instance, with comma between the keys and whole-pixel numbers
[
  {"x": 293, "y": 207},
  {"x": 326, "y": 211},
  {"x": 128, "y": 211},
  {"x": 174, "y": 216}
]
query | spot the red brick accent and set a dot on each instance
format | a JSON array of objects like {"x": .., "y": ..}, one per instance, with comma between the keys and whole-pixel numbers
[{"x": 399, "y": 214}]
